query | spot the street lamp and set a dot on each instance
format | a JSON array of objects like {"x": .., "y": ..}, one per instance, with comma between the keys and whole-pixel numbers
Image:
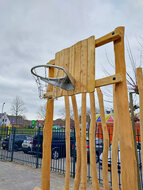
[
  {"x": 2, "y": 112},
  {"x": 3, "y": 107}
]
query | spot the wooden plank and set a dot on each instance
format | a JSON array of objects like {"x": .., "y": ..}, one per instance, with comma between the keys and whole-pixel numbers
[
  {"x": 93, "y": 165},
  {"x": 67, "y": 175},
  {"x": 66, "y": 62},
  {"x": 47, "y": 138},
  {"x": 83, "y": 144},
  {"x": 78, "y": 144},
  {"x": 71, "y": 67},
  {"x": 106, "y": 140},
  {"x": 91, "y": 65},
  {"x": 84, "y": 65},
  {"x": 112, "y": 36},
  {"x": 109, "y": 80},
  {"x": 140, "y": 88},
  {"x": 114, "y": 151},
  {"x": 127, "y": 150},
  {"x": 77, "y": 50}
]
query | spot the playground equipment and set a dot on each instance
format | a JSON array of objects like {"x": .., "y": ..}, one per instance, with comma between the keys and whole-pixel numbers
[{"x": 73, "y": 72}]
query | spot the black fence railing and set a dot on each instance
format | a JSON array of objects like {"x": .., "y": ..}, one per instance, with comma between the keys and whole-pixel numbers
[{"x": 25, "y": 146}]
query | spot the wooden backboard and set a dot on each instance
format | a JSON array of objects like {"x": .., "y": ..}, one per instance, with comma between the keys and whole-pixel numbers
[{"x": 79, "y": 61}]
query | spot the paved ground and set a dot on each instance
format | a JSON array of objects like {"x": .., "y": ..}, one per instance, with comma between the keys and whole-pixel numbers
[{"x": 21, "y": 177}]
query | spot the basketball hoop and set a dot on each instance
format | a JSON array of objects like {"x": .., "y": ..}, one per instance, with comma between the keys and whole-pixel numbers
[{"x": 41, "y": 73}]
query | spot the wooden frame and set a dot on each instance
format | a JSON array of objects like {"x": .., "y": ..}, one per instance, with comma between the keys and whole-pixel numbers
[{"x": 84, "y": 75}]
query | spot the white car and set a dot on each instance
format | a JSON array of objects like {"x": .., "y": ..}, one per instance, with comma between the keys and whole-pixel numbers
[
  {"x": 27, "y": 145},
  {"x": 118, "y": 160}
]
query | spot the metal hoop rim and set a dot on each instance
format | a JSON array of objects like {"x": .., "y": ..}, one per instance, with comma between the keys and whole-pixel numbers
[{"x": 46, "y": 66}]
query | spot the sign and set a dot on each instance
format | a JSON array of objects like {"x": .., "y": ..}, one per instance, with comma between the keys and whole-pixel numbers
[{"x": 33, "y": 123}]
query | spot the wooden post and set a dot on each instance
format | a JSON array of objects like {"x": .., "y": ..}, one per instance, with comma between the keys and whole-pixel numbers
[
  {"x": 78, "y": 144},
  {"x": 114, "y": 151},
  {"x": 83, "y": 144},
  {"x": 134, "y": 135},
  {"x": 106, "y": 140},
  {"x": 47, "y": 138},
  {"x": 93, "y": 166},
  {"x": 140, "y": 88},
  {"x": 127, "y": 149},
  {"x": 67, "y": 109}
]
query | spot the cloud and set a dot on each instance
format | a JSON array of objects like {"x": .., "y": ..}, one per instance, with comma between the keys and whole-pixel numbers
[{"x": 33, "y": 31}]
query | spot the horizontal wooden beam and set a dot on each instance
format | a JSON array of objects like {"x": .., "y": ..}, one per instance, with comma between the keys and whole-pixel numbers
[
  {"x": 51, "y": 62},
  {"x": 112, "y": 36},
  {"x": 108, "y": 80},
  {"x": 98, "y": 83}
]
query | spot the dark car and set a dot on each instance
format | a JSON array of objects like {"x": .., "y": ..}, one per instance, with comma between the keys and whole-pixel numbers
[
  {"x": 14, "y": 141},
  {"x": 99, "y": 149},
  {"x": 58, "y": 146},
  {"x": 98, "y": 146},
  {"x": 5, "y": 143}
]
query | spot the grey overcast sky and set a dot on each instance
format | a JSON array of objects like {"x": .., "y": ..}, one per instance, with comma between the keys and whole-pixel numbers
[{"x": 32, "y": 31}]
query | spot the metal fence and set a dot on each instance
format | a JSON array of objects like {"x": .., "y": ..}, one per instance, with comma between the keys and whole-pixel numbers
[{"x": 11, "y": 150}]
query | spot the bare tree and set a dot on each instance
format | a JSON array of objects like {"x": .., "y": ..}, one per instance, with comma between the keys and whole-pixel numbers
[
  {"x": 42, "y": 112},
  {"x": 18, "y": 107}
]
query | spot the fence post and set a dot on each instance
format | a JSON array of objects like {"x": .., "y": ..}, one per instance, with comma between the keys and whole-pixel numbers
[
  {"x": 13, "y": 142},
  {"x": 37, "y": 153},
  {"x": 74, "y": 155}
]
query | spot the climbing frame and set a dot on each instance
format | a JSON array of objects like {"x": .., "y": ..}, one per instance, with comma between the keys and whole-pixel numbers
[{"x": 79, "y": 62}]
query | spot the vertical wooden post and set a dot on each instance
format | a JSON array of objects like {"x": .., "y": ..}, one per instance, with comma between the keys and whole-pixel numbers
[
  {"x": 106, "y": 140},
  {"x": 67, "y": 109},
  {"x": 93, "y": 166},
  {"x": 127, "y": 149},
  {"x": 78, "y": 144},
  {"x": 47, "y": 138},
  {"x": 134, "y": 135},
  {"x": 140, "y": 88},
  {"x": 114, "y": 152},
  {"x": 83, "y": 144}
]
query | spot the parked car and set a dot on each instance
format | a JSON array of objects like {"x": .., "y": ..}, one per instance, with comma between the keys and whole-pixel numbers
[
  {"x": 27, "y": 145},
  {"x": 98, "y": 146},
  {"x": 7, "y": 143},
  {"x": 58, "y": 145},
  {"x": 118, "y": 160}
]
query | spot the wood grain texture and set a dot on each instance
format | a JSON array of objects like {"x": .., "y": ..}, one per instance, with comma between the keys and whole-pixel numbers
[
  {"x": 84, "y": 65},
  {"x": 108, "y": 80},
  {"x": 83, "y": 144},
  {"x": 91, "y": 65},
  {"x": 47, "y": 138},
  {"x": 114, "y": 151},
  {"x": 93, "y": 166},
  {"x": 140, "y": 88},
  {"x": 78, "y": 144},
  {"x": 67, "y": 176},
  {"x": 106, "y": 140},
  {"x": 127, "y": 150},
  {"x": 71, "y": 67},
  {"x": 112, "y": 36}
]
